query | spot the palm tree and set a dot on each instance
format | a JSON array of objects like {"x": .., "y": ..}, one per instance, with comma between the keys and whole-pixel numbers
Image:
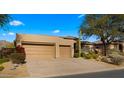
[{"x": 4, "y": 19}]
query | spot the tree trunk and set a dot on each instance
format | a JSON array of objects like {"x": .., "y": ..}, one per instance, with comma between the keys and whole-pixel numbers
[{"x": 104, "y": 48}]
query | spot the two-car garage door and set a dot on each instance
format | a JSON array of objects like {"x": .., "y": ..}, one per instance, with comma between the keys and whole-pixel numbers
[
  {"x": 40, "y": 51},
  {"x": 46, "y": 51}
]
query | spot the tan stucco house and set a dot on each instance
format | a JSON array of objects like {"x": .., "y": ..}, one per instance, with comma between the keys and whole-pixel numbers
[
  {"x": 116, "y": 45},
  {"x": 43, "y": 46}
]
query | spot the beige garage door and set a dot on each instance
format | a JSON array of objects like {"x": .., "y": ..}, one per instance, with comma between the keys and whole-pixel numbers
[
  {"x": 65, "y": 51},
  {"x": 40, "y": 51}
]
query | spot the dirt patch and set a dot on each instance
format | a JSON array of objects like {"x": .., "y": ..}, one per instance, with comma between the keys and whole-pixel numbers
[{"x": 20, "y": 71}]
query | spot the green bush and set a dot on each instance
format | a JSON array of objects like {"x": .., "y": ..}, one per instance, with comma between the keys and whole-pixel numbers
[
  {"x": 93, "y": 55},
  {"x": 82, "y": 54},
  {"x": 113, "y": 59},
  {"x": 121, "y": 53},
  {"x": 17, "y": 58},
  {"x": 1, "y": 67},
  {"x": 88, "y": 56},
  {"x": 3, "y": 60},
  {"x": 104, "y": 59}
]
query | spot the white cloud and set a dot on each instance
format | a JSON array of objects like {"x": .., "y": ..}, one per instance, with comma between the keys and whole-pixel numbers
[
  {"x": 16, "y": 23},
  {"x": 56, "y": 31},
  {"x": 80, "y": 16},
  {"x": 11, "y": 33}
]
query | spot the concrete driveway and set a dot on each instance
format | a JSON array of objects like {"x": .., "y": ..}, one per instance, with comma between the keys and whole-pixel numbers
[{"x": 60, "y": 67}]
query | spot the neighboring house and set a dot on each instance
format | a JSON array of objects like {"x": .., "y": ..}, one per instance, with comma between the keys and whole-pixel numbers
[
  {"x": 116, "y": 45},
  {"x": 43, "y": 46}
]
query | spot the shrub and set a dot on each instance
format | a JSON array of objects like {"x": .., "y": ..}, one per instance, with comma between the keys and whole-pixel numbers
[
  {"x": 90, "y": 55},
  {"x": 87, "y": 56},
  {"x": 93, "y": 55},
  {"x": 113, "y": 59},
  {"x": 20, "y": 49},
  {"x": 121, "y": 53},
  {"x": 17, "y": 58},
  {"x": 5, "y": 52},
  {"x": 4, "y": 60},
  {"x": 117, "y": 59},
  {"x": 83, "y": 54},
  {"x": 104, "y": 59},
  {"x": 1, "y": 67}
]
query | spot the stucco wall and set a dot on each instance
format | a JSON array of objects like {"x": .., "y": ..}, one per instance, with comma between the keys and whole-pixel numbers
[
  {"x": 20, "y": 38},
  {"x": 43, "y": 38}
]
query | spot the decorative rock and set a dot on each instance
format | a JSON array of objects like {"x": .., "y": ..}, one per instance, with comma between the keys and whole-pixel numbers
[{"x": 15, "y": 65}]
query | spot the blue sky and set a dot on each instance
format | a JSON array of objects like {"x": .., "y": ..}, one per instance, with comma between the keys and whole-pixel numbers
[{"x": 46, "y": 24}]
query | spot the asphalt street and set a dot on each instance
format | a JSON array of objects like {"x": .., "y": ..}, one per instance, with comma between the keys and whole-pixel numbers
[{"x": 105, "y": 74}]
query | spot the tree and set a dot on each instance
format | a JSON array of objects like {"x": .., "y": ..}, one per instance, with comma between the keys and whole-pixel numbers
[
  {"x": 105, "y": 27},
  {"x": 4, "y": 19}
]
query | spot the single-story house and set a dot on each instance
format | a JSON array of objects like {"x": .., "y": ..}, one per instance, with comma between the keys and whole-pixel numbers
[
  {"x": 43, "y": 46},
  {"x": 116, "y": 45},
  {"x": 98, "y": 45}
]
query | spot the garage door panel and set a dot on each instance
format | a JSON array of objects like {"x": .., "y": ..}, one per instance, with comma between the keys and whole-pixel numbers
[
  {"x": 38, "y": 57},
  {"x": 41, "y": 47},
  {"x": 35, "y": 46},
  {"x": 35, "y": 53},
  {"x": 65, "y": 51},
  {"x": 39, "y": 51}
]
